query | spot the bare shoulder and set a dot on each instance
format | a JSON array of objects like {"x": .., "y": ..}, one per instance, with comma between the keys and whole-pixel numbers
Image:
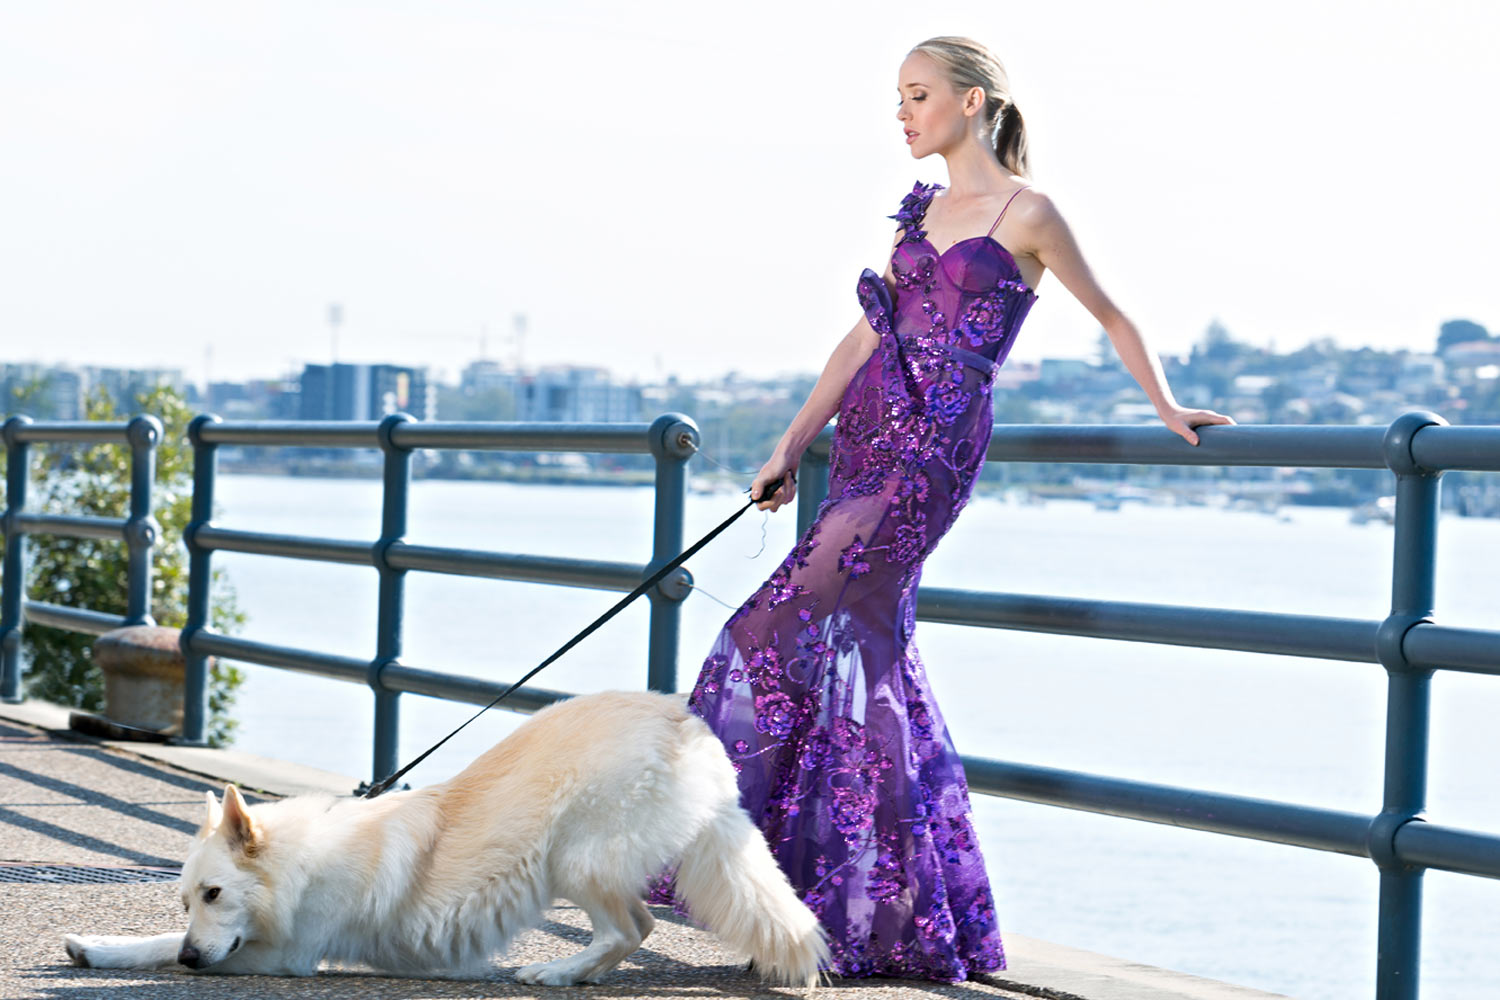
[
  {"x": 1039, "y": 223},
  {"x": 1034, "y": 208}
]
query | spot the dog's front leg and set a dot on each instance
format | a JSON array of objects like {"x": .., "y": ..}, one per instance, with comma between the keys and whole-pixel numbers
[{"x": 116, "y": 952}]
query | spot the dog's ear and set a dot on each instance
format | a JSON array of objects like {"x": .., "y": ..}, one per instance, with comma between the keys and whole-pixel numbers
[
  {"x": 239, "y": 828},
  {"x": 212, "y": 817}
]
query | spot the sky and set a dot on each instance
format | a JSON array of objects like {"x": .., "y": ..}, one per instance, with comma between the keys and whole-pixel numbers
[{"x": 693, "y": 189}]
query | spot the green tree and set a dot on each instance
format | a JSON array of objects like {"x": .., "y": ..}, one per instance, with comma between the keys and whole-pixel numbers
[
  {"x": 89, "y": 573},
  {"x": 1459, "y": 331}
]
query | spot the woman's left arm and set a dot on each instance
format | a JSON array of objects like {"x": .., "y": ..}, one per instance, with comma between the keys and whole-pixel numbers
[{"x": 1050, "y": 240}]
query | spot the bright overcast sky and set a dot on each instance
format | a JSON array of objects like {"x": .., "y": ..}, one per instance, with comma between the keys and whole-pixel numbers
[{"x": 677, "y": 188}]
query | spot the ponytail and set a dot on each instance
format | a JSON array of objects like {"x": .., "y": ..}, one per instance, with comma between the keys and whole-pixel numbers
[{"x": 1009, "y": 137}]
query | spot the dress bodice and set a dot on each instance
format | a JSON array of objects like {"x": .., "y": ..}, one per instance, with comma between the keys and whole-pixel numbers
[{"x": 968, "y": 301}]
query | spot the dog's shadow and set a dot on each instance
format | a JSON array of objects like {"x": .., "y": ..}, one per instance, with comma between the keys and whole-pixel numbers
[{"x": 691, "y": 964}]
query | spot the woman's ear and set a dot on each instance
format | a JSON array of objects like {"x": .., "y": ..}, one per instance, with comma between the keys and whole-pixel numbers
[{"x": 974, "y": 101}]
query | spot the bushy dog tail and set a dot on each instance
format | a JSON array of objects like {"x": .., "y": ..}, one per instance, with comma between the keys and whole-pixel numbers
[{"x": 732, "y": 884}]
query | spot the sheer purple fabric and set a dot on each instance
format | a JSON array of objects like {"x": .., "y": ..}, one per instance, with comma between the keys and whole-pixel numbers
[{"x": 815, "y": 684}]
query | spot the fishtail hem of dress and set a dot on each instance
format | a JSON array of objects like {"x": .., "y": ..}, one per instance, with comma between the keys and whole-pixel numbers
[{"x": 906, "y": 963}]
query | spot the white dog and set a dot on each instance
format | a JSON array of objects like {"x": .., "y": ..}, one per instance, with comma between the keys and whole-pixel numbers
[{"x": 585, "y": 801}]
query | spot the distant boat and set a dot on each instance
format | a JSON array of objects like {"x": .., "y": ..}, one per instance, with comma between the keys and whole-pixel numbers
[
  {"x": 1381, "y": 509},
  {"x": 711, "y": 487}
]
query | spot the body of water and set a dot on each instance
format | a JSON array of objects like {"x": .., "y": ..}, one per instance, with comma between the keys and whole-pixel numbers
[{"x": 1284, "y": 919}]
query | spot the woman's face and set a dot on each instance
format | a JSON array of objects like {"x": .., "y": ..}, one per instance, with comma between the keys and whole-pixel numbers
[{"x": 931, "y": 112}]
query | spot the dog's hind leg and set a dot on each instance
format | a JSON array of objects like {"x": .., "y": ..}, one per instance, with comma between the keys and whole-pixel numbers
[
  {"x": 117, "y": 952},
  {"x": 645, "y": 923},
  {"x": 617, "y": 932}
]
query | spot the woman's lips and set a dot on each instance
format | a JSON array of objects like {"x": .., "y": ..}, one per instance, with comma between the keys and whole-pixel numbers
[{"x": 911, "y": 137}]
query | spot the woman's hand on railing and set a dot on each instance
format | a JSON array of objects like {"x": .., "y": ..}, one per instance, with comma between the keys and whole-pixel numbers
[
  {"x": 779, "y": 466},
  {"x": 1182, "y": 420}
]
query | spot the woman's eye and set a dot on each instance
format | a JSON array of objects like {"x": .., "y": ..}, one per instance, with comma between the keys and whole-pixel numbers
[{"x": 209, "y": 895}]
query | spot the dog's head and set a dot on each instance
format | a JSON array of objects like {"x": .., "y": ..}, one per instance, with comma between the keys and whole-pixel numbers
[{"x": 223, "y": 889}]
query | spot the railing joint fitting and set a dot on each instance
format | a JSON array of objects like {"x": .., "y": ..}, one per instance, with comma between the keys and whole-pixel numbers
[
  {"x": 674, "y": 436},
  {"x": 190, "y": 533},
  {"x": 195, "y": 428},
  {"x": 380, "y": 554},
  {"x": 141, "y": 532},
  {"x": 1381, "y": 838},
  {"x": 1395, "y": 447},
  {"x": 675, "y": 586},
  {"x": 1390, "y": 642},
  {"x": 143, "y": 431},
  {"x": 372, "y": 675},
  {"x": 12, "y": 427},
  {"x": 385, "y": 433}
]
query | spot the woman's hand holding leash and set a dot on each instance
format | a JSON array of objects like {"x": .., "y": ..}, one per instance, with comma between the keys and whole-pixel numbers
[{"x": 763, "y": 490}]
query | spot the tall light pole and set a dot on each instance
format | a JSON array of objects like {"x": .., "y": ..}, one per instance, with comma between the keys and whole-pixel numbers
[
  {"x": 520, "y": 339},
  {"x": 335, "y": 320}
]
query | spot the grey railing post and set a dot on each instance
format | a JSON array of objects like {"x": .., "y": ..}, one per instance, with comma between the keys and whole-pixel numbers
[
  {"x": 674, "y": 439},
  {"x": 144, "y": 434},
  {"x": 393, "y": 507},
  {"x": 200, "y": 582},
  {"x": 812, "y": 480},
  {"x": 13, "y": 582},
  {"x": 1399, "y": 945}
]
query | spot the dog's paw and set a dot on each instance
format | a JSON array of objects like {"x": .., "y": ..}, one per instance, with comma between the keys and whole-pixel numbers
[
  {"x": 546, "y": 974},
  {"x": 78, "y": 949}
]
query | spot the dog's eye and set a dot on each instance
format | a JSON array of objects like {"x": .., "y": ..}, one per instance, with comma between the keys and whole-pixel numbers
[{"x": 209, "y": 895}]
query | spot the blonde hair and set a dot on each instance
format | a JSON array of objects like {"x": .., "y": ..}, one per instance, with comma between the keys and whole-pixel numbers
[{"x": 967, "y": 64}]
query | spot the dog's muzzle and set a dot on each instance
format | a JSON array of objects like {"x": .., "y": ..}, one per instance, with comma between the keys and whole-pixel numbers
[{"x": 193, "y": 958}]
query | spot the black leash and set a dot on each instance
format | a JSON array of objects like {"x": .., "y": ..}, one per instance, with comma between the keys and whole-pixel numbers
[{"x": 384, "y": 784}]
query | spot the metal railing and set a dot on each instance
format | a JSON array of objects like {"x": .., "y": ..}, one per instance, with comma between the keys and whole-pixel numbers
[
  {"x": 1417, "y": 448},
  {"x": 671, "y": 439},
  {"x": 138, "y": 532}
]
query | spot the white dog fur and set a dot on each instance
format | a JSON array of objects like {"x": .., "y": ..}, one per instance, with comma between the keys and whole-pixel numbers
[{"x": 585, "y": 801}]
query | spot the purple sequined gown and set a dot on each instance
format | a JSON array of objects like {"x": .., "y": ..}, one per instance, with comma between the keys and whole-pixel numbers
[{"x": 815, "y": 684}]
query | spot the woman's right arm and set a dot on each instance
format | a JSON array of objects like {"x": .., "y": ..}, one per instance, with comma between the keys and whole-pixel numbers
[{"x": 822, "y": 403}]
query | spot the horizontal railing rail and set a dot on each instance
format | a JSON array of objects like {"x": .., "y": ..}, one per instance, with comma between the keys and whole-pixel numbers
[{"x": 1417, "y": 449}]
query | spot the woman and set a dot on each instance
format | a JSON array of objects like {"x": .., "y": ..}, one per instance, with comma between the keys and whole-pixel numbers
[{"x": 815, "y": 684}]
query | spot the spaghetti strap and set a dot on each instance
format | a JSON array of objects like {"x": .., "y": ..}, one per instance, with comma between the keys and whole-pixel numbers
[{"x": 1003, "y": 210}]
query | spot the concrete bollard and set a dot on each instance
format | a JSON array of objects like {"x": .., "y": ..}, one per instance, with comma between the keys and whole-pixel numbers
[{"x": 143, "y": 677}]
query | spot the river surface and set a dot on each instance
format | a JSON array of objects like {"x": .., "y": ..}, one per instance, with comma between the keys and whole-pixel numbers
[{"x": 1284, "y": 919}]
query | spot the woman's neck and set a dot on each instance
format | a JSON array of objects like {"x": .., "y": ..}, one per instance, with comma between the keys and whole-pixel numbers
[{"x": 974, "y": 170}]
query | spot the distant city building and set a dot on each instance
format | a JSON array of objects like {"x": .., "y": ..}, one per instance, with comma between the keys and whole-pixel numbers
[
  {"x": 571, "y": 393},
  {"x": 364, "y": 392},
  {"x": 260, "y": 399},
  {"x": 576, "y": 394}
]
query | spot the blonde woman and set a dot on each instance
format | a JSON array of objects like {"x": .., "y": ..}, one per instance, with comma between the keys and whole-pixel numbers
[{"x": 815, "y": 684}]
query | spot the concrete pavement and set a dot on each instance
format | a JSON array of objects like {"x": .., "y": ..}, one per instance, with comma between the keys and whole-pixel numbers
[{"x": 99, "y": 811}]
